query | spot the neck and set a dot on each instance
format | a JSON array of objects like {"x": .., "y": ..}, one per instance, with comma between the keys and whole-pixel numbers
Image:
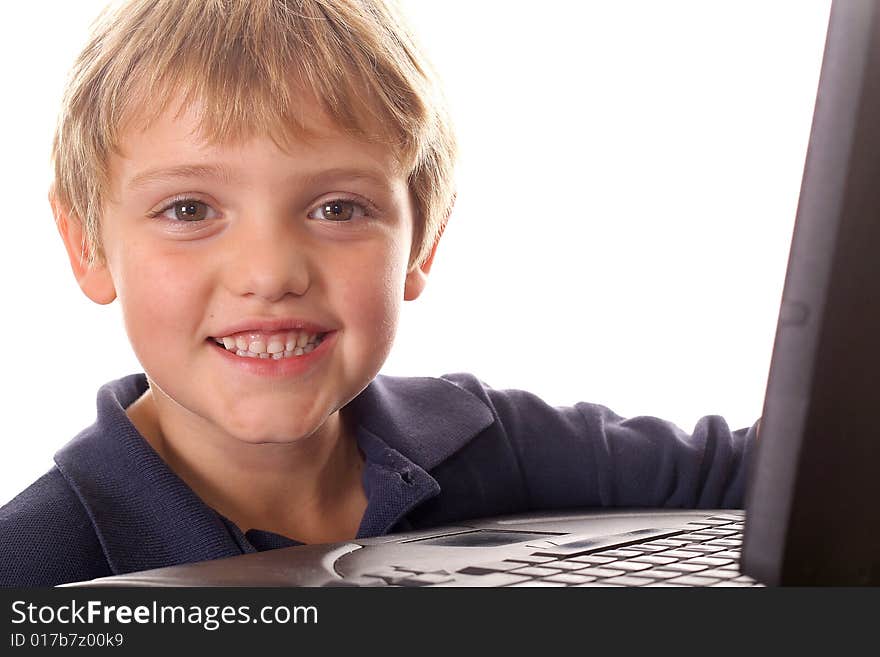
[{"x": 308, "y": 489}]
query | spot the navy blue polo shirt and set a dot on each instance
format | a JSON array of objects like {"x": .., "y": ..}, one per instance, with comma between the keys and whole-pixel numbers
[{"x": 437, "y": 450}]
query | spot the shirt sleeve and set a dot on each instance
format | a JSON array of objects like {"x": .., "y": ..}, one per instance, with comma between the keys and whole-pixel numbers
[{"x": 586, "y": 455}]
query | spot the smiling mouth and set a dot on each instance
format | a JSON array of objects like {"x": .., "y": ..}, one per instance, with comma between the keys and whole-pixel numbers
[{"x": 277, "y": 346}]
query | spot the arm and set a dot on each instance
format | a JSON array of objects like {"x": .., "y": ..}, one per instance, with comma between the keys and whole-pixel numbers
[{"x": 586, "y": 455}]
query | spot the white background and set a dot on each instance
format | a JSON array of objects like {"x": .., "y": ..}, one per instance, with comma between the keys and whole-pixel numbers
[{"x": 627, "y": 190}]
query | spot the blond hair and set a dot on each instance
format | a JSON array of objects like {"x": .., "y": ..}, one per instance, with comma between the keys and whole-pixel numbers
[{"x": 246, "y": 61}]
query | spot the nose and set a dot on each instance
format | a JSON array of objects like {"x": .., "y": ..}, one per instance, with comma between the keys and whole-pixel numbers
[{"x": 267, "y": 260}]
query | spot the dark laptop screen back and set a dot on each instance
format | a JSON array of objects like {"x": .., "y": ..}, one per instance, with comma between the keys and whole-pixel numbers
[{"x": 814, "y": 496}]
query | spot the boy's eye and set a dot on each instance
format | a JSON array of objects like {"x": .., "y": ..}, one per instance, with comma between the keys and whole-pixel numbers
[
  {"x": 338, "y": 210},
  {"x": 190, "y": 210}
]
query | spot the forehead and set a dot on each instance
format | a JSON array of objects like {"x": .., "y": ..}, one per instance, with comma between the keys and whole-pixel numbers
[{"x": 177, "y": 144}]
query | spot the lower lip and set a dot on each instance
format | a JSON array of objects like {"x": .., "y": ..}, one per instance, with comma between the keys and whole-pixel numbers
[{"x": 281, "y": 367}]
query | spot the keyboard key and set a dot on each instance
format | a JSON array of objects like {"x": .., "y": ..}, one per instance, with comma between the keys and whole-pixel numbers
[
  {"x": 648, "y": 547},
  {"x": 619, "y": 554},
  {"x": 592, "y": 559},
  {"x": 721, "y": 573},
  {"x": 629, "y": 580},
  {"x": 697, "y": 537},
  {"x": 703, "y": 548},
  {"x": 659, "y": 573},
  {"x": 693, "y": 580},
  {"x": 570, "y": 578},
  {"x": 567, "y": 565},
  {"x": 710, "y": 561},
  {"x": 600, "y": 572},
  {"x": 657, "y": 559},
  {"x": 663, "y": 583},
  {"x": 727, "y": 542},
  {"x": 535, "y": 571},
  {"x": 720, "y": 531},
  {"x": 668, "y": 542},
  {"x": 728, "y": 582},
  {"x": 681, "y": 554},
  {"x": 727, "y": 554},
  {"x": 632, "y": 566},
  {"x": 538, "y": 582},
  {"x": 476, "y": 570},
  {"x": 685, "y": 567},
  {"x": 602, "y": 583}
]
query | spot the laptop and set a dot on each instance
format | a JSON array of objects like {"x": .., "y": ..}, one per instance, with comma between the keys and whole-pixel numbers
[{"x": 811, "y": 512}]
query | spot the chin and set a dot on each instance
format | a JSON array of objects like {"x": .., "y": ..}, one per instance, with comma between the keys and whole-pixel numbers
[
  {"x": 267, "y": 424},
  {"x": 270, "y": 435},
  {"x": 258, "y": 440}
]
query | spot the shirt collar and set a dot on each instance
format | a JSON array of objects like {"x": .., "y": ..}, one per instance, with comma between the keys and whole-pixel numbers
[
  {"x": 425, "y": 419},
  {"x": 146, "y": 517}
]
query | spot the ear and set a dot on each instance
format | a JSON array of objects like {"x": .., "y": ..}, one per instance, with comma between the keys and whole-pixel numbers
[
  {"x": 94, "y": 280},
  {"x": 417, "y": 277}
]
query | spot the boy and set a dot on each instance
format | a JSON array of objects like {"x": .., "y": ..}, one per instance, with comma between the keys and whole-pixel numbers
[{"x": 260, "y": 184}]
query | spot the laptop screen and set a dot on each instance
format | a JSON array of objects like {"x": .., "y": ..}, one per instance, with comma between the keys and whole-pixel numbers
[{"x": 812, "y": 503}]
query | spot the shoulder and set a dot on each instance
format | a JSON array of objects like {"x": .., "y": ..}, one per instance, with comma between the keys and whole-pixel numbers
[
  {"x": 456, "y": 409},
  {"x": 462, "y": 402},
  {"x": 460, "y": 389},
  {"x": 586, "y": 454},
  {"x": 47, "y": 537},
  {"x": 524, "y": 415}
]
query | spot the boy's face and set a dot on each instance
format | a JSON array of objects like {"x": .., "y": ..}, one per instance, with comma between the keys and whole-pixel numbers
[{"x": 319, "y": 235}]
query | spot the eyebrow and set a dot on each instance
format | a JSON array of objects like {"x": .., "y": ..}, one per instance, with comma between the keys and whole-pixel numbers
[
  {"x": 228, "y": 176},
  {"x": 152, "y": 176}
]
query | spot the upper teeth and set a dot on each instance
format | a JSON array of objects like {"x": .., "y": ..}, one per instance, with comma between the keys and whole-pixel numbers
[{"x": 268, "y": 344}]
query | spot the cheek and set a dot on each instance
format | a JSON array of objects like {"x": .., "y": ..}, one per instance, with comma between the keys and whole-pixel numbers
[
  {"x": 372, "y": 302},
  {"x": 159, "y": 293}
]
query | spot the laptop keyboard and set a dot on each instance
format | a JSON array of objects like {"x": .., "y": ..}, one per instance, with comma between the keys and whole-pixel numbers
[{"x": 702, "y": 553}]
